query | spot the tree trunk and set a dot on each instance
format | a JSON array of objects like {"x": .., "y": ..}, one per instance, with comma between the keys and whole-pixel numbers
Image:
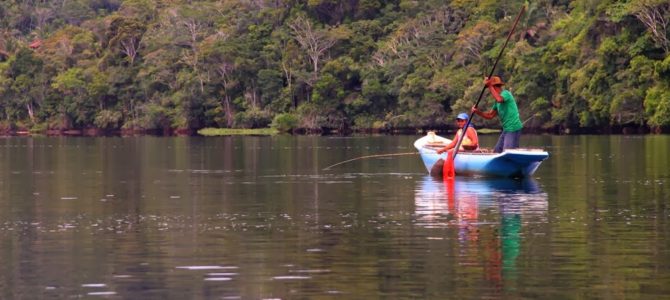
[
  {"x": 228, "y": 110},
  {"x": 31, "y": 113}
]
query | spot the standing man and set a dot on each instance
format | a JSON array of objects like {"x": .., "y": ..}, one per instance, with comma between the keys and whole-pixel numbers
[{"x": 506, "y": 110}]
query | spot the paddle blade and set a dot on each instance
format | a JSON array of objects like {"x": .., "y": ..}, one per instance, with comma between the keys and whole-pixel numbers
[{"x": 448, "y": 171}]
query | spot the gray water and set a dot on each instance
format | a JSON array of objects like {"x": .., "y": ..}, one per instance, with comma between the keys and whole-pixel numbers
[{"x": 259, "y": 218}]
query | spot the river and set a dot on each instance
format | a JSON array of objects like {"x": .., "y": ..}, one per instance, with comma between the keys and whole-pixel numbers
[{"x": 259, "y": 218}]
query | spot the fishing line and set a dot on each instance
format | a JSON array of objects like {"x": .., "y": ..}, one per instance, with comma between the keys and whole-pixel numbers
[{"x": 370, "y": 156}]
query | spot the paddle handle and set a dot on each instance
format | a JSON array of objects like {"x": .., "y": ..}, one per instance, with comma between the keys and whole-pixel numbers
[{"x": 467, "y": 124}]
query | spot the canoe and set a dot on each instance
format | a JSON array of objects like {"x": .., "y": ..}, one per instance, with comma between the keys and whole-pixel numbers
[{"x": 514, "y": 163}]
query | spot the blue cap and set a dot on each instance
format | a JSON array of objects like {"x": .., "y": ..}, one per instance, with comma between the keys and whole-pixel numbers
[{"x": 462, "y": 116}]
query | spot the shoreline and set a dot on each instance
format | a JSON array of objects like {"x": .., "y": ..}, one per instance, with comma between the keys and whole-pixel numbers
[{"x": 209, "y": 132}]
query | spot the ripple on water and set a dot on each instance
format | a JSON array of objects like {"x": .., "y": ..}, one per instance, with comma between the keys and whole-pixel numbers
[
  {"x": 311, "y": 271},
  {"x": 206, "y": 267},
  {"x": 222, "y": 274},
  {"x": 289, "y": 277},
  {"x": 107, "y": 293},
  {"x": 218, "y": 279}
]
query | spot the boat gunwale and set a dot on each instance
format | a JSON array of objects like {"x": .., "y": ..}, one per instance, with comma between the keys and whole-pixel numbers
[{"x": 486, "y": 151}]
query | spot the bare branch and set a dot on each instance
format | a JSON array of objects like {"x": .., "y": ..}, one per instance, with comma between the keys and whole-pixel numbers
[
  {"x": 314, "y": 42},
  {"x": 129, "y": 48},
  {"x": 655, "y": 16}
]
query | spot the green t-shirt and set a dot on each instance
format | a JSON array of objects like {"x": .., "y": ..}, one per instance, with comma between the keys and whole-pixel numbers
[{"x": 508, "y": 112}]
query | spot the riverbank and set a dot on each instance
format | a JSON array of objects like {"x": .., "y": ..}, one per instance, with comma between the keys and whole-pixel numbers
[{"x": 95, "y": 132}]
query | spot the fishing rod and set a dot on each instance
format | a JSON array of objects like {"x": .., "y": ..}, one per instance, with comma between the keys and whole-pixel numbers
[{"x": 370, "y": 156}]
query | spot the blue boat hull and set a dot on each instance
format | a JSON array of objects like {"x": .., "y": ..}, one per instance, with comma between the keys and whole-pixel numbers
[{"x": 515, "y": 163}]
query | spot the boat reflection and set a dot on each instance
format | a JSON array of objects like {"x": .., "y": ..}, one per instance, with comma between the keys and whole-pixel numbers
[
  {"x": 486, "y": 216},
  {"x": 442, "y": 202}
]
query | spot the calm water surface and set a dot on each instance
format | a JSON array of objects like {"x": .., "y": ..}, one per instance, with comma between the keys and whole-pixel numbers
[{"x": 259, "y": 218}]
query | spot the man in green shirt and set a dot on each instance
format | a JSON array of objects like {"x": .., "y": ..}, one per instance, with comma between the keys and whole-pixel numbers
[{"x": 506, "y": 110}]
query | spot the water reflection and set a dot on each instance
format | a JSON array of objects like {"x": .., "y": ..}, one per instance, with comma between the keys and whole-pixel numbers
[
  {"x": 486, "y": 218},
  {"x": 256, "y": 218},
  {"x": 439, "y": 203}
]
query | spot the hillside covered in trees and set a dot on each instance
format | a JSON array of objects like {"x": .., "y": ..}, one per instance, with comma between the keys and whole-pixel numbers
[{"x": 324, "y": 65}]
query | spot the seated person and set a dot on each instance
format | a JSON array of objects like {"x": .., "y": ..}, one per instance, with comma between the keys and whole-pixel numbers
[{"x": 470, "y": 141}]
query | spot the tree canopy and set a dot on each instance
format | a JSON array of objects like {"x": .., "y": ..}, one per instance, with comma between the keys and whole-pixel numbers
[{"x": 323, "y": 65}]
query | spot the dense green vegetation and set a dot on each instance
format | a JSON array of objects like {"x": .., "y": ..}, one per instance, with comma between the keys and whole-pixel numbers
[
  {"x": 322, "y": 65},
  {"x": 229, "y": 131}
]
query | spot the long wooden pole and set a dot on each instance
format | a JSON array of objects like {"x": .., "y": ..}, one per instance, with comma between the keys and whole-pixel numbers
[{"x": 465, "y": 128}]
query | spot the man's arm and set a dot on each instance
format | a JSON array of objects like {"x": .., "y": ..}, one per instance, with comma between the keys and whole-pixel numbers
[
  {"x": 494, "y": 92},
  {"x": 447, "y": 147},
  {"x": 485, "y": 114}
]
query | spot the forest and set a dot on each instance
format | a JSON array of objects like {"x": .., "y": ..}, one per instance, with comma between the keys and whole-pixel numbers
[{"x": 328, "y": 66}]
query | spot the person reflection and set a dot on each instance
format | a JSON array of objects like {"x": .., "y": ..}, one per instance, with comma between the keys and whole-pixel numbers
[
  {"x": 430, "y": 207},
  {"x": 489, "y": 215},
  {"x": 433, "y": 209},
  {"x": 465, "y": 210},
  {"x": 518, "y": 204},
  {"x": 510, "y": 239}
]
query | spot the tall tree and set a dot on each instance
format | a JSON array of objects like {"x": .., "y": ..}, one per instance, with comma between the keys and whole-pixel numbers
[
  {"x": 315, "y": 42},
  {"x": 655, "y": 15},
  {"x": 126, "y": 35}
]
